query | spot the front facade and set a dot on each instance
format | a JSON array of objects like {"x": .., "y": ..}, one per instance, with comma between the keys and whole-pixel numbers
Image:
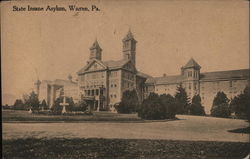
[
  {"x": 102, "y": 83},
  {"x": 205, "y": 84}
]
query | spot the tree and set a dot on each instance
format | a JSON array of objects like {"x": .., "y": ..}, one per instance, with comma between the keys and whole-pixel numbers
[
  {"x": 32, "y": 101},
  {"x": 182, "y": 100},
  {"x": 196, "y": 108},
  {"x": 81, "y": 106},
  {"x": 18, "y": 105},
  {"x": 240, "y": 104},
  {"x": 129, "y": 102},
  {"x": 220, "y": 106},
  {"x": 168, "y": 102},
  {"x": 152, "y": 108}
]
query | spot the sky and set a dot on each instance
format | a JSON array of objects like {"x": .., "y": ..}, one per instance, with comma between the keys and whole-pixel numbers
[{"x": 51, "y": 45}]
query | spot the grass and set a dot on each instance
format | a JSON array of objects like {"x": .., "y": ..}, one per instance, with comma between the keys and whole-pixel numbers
[
  {"x": 241, "y": 130},
  {"x": 120, "y": 148},
  {"x": 24, "y": 116}
]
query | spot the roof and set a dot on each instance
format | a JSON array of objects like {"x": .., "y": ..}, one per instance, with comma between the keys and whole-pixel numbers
[
  {"x": 144, "y": 75},
  {"x": 63, "y": 82},
  {"x": 109, "y": 64},
  {"x": 225, "y": 74},
  {"x": 192, "y": 63},
  {"x": 59, "y": 82},
  {"x": 165, "y": 80},
  {"x": 115, "y": 64},
  {"x": 95, "y": 45},
  {"x": 129, "y": 36}
]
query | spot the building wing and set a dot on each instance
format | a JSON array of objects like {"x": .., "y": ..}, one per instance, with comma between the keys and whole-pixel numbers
[{"x": 220, "y": 75}]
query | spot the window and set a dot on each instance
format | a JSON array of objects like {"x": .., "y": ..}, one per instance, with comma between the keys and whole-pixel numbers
[
  {"x": 97, "y": 92},
  {"x": 115, "y": 85},
  {"x": 189, "y": 85},
  {"x": 114, "y": 95},
  {"x": 111, "y": 96}
]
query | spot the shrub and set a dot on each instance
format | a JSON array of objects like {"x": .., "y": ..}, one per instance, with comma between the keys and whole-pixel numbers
[
  {"x": 152, "y": 108},
  {"x": 158, "y": 107},
  {"x": 220, "y": 106},
  {"x": 129, "y": 102},
  {"x": 19, "y": 105},
  {"x": 57, "y": 108},
  {"x": 80, "y": 106},
  {"x": 168, "y": 102},
  {"x": 196, "y": 108},
  {"x": 240, "y": 104}
]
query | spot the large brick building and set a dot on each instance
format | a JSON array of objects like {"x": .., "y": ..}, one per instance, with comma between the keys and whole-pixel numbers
[
  {"x": 102, "y": 83},
  {"x": 205, "y": 84}
]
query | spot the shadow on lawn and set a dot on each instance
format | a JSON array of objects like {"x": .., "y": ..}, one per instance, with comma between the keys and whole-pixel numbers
[{"x": 241, "y": 130}]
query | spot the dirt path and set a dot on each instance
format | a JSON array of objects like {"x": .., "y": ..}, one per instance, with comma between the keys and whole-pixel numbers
[{"x": 188, "y": 128}]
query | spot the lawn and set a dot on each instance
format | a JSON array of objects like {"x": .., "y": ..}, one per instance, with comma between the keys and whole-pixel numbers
[
  {"x": 28, "y": 136},
  {"x": 123, "y": 149},
  {"x": 24, "y": 116}
]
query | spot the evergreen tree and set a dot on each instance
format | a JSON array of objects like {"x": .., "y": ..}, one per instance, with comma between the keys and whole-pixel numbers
[
  {"x": 240, "y": 104},
  {"x": 32, "y": 101},
  {"x": 220, "y": 106},
  {"x": 196, "y": 108},
  {"x": 18, "y": 105},
  {"x": 182, "y": 100}
]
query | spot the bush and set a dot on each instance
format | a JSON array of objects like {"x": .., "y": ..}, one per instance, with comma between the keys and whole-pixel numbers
[
  {"x": 19, "y": 105},
  {"x": 158, "y": 107},
  {"x": 151, "y": 108},
  {"x": 168, "y": 102},
  {"x": 196, "y": 108},
  {"x": 57, "y": 108},
  {"x": 220, "y": 106},
  {"x": 129, "y": 102},
  {"x": 240, "y": 104},
  {"x": 80, "y": 106}
]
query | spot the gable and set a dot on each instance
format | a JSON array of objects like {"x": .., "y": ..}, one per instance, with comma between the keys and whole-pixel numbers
[{"x": 95, "y": 65}]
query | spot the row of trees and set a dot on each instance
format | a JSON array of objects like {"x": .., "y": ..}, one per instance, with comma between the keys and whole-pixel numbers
[
  {"x": 239, "y": 105},
  {"x": 167, "y": 106},
  {"x": 160, "y": 107},
  {"x": 32, "y": 102}
]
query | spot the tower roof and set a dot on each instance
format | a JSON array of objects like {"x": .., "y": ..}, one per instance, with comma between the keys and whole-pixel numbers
[
  {"x": 95, "y": 45},
  {"x": 129, "y": 36},
  {"x": 192, "y": 63}
]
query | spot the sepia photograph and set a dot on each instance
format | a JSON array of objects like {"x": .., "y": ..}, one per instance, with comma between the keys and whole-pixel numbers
[{"x": 143, "y": 79}]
